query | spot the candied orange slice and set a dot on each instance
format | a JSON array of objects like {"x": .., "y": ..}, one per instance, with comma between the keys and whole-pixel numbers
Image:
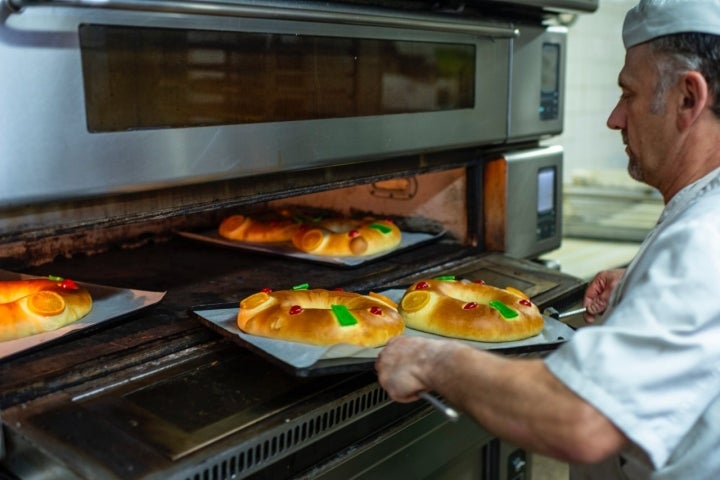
[
  {"x": 311, "y": 240},
  {"x": 46, "y": 303},
  {"x": 414, "y": 301},
  {"x": 255, "y": 300},
  {"x": 234, "y": 221},
  {"x": 517, "y": 292}
]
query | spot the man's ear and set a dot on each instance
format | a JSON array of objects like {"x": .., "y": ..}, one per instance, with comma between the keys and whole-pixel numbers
[{"x": 694, "y": 97}]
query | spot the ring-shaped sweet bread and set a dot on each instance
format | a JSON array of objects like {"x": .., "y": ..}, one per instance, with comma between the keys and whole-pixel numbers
[
  {"x": 347, "y": 237},
  {"x": 321, "y": 317},
  {"x": 32, "y": 306},
  {"x": 258, "y": 230},
  {"x": 470, "y": 310}
]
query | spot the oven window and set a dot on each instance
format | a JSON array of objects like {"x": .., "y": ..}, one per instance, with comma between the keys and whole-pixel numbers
[
  {"x": 150, "y": 78},
  {"x": 546, "y": 190}
]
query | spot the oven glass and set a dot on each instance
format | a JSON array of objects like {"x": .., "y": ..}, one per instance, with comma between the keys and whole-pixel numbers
[
  {"x": 550, "y": 82},
  {"x": 151, "y": 78},
  {"x": 546, "y": 210}
]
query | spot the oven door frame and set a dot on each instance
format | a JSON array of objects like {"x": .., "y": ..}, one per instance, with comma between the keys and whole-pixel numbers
[{"x": 46, "y": 126}]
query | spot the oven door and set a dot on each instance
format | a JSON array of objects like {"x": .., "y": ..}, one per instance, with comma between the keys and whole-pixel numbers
[{"x": 114, "y": 99}]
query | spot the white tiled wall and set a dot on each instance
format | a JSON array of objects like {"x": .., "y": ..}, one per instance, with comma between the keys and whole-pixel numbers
[{"x": 595, "y": 56}]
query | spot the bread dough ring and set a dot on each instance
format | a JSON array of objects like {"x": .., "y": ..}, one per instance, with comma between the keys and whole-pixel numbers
[
  {"x": 321, "y": 317},
  {"x": 28, "y": 307},
  {"x": 472, "y": 311},
  {"x": 347, "y": 237},
  {"x": 249, "y": 229}
]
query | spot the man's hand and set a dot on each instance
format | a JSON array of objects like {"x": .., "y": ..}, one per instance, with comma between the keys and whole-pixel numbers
[
  {"x": 597, "y": 294},
  {"x": 405, "y": 364}
]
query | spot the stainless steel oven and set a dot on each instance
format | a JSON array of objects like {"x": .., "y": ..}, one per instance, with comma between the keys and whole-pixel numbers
[
  {"x": 158, "y": 98},
  {"x": 128, "y": 123},
  {"x": 130, "y": 95}
]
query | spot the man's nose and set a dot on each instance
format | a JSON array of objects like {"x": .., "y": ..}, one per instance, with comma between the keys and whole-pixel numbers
[{"x": 616, "y": 120}]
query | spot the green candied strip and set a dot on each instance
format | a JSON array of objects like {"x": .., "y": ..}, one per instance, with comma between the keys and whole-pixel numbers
[
  {"x": 302, "y": 286},
  {"x": 445, "y": 278},
  {"x": 343, "y": 315},
  {"x": 383, "y": 228},
  {"x": 506, "y": 312},
  {"x": 55, "y": 278}
]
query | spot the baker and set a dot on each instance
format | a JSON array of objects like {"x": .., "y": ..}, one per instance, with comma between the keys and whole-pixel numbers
[{"x": 638, "y": 395}]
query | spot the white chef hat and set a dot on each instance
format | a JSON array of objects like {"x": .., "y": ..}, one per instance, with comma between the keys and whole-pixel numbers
[{"x": 654, "y": 18}]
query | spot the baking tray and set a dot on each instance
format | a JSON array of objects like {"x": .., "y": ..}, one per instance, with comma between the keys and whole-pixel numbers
[
  {"x": 409, "y": 240},
  {"x": 109, "y": 304},
  {"x": 304, "y": 360}
]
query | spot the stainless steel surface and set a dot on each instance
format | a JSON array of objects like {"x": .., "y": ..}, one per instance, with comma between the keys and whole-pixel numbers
[
  {"x": 556, "y": 6},
  {"x": 523, "y": 214},
  {"x": 538, "y": 83},
  {"x": 601, "y": 206},
  {"x": 450, "y": 413},
  {"x": 427, "y": 447},
  {"x": 554, "y": 313},
  {"x": 409, "y": 240},
  {"x": 45, "y": 130},
  {"x": 308, "y": 12},
  {"x": 559, "y": 5}
]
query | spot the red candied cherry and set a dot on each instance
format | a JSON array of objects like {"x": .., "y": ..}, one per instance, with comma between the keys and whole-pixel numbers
[
  {"x": 266, "y": 290},
  {"x": 525, "y": 302},
  {"x": 353, "y": 233},
  {"x": 422, "y": 286},
  {"x": 295, "y": 309},
  {"x": 481, "y": 282},
  {"x": 470, "y": 306},
  {"x": 68, "y": 284},
  {"x": 376, "y": 310}
]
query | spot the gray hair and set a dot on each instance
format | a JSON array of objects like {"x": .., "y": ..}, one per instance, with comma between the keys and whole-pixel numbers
[{"x": 682, "y": 52}]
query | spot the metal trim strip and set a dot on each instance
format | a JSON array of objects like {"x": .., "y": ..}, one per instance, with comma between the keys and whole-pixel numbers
[{"x": 355, "y": 17}]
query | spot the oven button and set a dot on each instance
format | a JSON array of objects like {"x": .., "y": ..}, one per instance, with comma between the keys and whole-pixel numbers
[{"x": 517, "y": 465}]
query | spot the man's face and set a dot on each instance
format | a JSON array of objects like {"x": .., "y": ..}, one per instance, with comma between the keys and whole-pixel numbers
[{"x": 644, "y": 122}]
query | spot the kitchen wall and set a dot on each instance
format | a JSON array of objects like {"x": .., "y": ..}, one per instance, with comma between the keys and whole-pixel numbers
[{"x": 595, "y": 56}]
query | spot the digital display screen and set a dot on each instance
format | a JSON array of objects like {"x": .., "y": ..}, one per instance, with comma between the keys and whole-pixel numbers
[
  {"x": 550, "y": 67},
  {"x": 546, "y": 190},
  {"x": 150, "y": 78}
]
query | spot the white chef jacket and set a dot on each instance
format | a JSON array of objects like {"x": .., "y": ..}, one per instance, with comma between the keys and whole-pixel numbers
[{"x": 653, "y": 366}]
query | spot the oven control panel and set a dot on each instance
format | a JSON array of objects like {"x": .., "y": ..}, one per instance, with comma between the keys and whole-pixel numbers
[{"x": 522, "y": 205}]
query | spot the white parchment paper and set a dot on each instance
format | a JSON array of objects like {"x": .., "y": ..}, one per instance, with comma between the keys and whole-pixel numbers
[
  {"x": 408, "y": 239},
  {"x": 108, "y": 303},
  {"x": 300, "y": 355}
]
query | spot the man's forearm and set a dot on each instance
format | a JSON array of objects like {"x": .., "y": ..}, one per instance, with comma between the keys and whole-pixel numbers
[{"x": 521, "y": 401}]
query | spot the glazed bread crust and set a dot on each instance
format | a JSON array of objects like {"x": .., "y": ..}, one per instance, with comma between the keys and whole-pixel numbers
[
  {"x": 346, "y": 237},
  {"x": 28, "y": 307},
  {"x": 471, "y": 311},
  {"x": 317, "y": 317}
]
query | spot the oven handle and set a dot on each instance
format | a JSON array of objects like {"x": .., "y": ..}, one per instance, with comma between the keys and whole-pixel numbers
[{"x": 275, "y": 13}]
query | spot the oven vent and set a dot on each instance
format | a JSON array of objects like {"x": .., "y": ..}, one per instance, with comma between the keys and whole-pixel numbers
[{"x": 276, "y": 443}]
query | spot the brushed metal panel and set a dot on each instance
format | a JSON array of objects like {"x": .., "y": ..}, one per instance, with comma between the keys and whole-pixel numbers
[{"x": 47, "y": 152}]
